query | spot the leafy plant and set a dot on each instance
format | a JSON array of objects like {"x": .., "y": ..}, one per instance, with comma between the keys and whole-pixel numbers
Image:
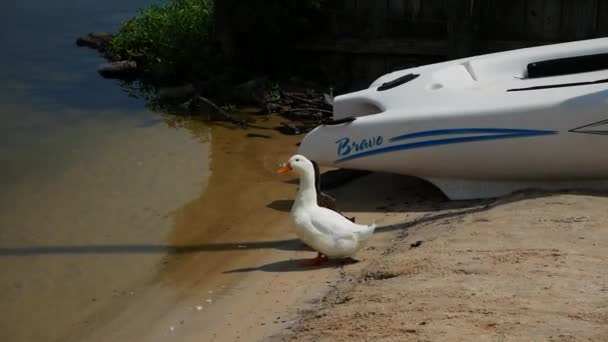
[
  {"x": 172, "y": 39},
  {"x": 272, "y": 92}
]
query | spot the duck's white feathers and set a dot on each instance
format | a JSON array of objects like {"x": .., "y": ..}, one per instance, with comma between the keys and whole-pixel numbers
[
  {"x": 329, "y": 232},
  {"x": 323, "y": 229},
  {"x": 330, "y": 222}
]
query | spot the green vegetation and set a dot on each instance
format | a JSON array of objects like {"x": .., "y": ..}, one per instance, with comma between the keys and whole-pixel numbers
[
  {"x": 230, "y": 51},
  {"x": 173, "y": 39}
]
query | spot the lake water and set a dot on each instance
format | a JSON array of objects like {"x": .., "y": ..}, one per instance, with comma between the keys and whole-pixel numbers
[{"x": 88, "y": 177}]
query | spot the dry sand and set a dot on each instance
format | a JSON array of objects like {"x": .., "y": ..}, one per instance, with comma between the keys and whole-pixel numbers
[{"x": 528, "y": 267}]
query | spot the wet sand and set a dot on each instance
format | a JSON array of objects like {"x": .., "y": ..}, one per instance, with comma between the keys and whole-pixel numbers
[
  {"x": 229, "y": 249},
  {"x": 82, "y": 228},
  {"x": 149, "y": 233}
]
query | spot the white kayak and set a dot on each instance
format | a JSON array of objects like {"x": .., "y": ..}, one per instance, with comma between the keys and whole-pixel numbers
[{"x": 482, "y": 126}]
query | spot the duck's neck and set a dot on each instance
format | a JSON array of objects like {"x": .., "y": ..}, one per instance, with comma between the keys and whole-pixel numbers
[{"x": 307, "y": 194}]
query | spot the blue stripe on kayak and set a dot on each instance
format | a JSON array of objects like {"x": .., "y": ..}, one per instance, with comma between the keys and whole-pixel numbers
[
  {"x": 463, "y": 131},
  {"x": 447, "y": 141}
]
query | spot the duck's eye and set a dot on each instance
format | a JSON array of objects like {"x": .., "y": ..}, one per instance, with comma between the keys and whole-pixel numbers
[{"x": 297, "y": 159}]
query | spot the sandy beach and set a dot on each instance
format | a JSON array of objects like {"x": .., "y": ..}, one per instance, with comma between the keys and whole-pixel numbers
[{"x": 524, "y": 267}]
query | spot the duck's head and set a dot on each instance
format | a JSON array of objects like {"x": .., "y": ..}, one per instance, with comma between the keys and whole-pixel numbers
[{"x": 299, "y": 164}]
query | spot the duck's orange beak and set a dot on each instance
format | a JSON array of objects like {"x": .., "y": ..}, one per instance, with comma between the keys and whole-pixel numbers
[{"x": 284, "y": 168}]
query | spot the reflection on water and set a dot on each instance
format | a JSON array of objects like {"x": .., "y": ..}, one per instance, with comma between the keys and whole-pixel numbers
[
  {"x": 81, "y": 164},
  {"x": 40, "y": 64}
]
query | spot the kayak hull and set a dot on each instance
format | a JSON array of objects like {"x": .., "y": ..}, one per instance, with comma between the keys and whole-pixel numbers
[{"x": 478, "y": 127}]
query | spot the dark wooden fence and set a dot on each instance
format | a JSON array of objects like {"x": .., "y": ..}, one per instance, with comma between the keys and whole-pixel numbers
[{"x": 366, "y": 38}]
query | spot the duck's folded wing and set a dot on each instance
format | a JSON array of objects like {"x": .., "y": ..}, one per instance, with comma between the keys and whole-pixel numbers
[
  {"x": 331, "y": 243},
  {"x": 330, "y": 222}
]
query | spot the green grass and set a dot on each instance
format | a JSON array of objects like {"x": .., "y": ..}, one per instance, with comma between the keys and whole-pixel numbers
[{"x": 173, "y": 39}]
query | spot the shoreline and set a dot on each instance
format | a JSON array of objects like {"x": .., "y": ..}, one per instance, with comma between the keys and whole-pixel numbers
[{"x": 225, "y": 251}]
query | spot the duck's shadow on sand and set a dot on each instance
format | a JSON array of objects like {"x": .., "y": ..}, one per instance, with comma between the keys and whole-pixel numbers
[{"x": 295, "y": 265}]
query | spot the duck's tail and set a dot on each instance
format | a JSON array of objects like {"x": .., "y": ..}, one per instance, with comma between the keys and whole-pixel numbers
[{"x": 366, "y": 232}]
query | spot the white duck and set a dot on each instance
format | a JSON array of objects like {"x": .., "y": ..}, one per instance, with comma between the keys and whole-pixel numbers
[{"x": 325, "y": 230}]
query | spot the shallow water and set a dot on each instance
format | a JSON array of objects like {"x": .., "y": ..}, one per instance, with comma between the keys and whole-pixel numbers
[{"x": 89, "y": 178}]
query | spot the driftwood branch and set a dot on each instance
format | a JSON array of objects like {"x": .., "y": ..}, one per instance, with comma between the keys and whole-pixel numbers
[
  {"x": 222, "y": 112},
  {"x": 310, "y": 110},
  {"x": 297, "y": 98}
]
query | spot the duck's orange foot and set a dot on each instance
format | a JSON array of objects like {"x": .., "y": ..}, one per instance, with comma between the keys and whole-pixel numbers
[{"x": 320, "y": 259}]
